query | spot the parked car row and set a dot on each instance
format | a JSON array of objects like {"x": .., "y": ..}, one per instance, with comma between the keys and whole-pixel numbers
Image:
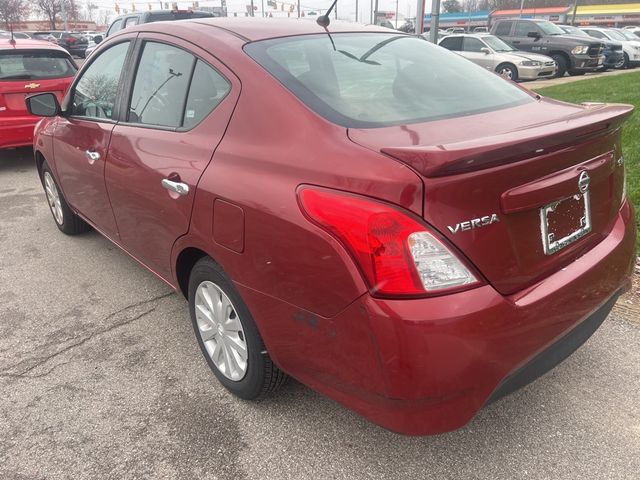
[{"x": 528, "y": 49}]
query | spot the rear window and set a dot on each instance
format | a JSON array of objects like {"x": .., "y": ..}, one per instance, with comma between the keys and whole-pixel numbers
[
  {"x": 377, "y": 79},
  {"x": 20, "y": 65}
]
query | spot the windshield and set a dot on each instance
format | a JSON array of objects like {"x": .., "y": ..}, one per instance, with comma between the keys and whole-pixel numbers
[
  {"x": 550, "y": 28},
  {"x": 628, "y": 35},
  {"x": 574, "y": 31},
  {"x": 615, "y": 35},
  {"x": 18, "y": 65},
  {"x": 497, "y": 44},
  {"x": 365, "y": 80}
]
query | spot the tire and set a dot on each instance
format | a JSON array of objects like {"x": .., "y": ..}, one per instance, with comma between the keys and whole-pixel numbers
[
  {"x": 257, "y": 375},
  {"x": 66, "y": 220},
  {"x": 508, "y": 71},
  {"x": 625, "y": 63},
  {"x": 561, "y": 61}
]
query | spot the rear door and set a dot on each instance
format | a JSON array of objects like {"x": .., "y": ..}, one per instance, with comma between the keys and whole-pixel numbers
[
  {"x": 180, "y": 102},
  {"x": 82, "y": 135}
]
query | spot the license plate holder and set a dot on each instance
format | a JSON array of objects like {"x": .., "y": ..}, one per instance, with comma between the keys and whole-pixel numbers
[{"x": 574, "y": 210}]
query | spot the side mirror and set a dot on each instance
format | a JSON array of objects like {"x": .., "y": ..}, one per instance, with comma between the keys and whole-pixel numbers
[
  {"x": 485, "y": 50},
  {"x": 533, "y": 35},
  {"x": 43, "y": 105},
  {"x": 97, "y": 39}
]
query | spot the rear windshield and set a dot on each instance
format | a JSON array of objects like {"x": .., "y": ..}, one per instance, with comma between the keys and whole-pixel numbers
[
  {"x": 20, "y": 65},
  {"x": 362, "y": 80}
]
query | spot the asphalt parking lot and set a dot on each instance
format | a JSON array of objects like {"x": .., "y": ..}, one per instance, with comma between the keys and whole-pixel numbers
[{"x": 101, "y": 377}]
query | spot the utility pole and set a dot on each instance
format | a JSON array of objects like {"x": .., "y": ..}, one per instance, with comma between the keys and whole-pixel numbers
[
  {"x": 575, "y": 7},
  {"x": 356, "y": 11},
  {"x": 420, "y": 17},
  {"x": 371, "y": 14},
  {"x": 521, "y": 7},
  {"x": 252, "y": 8},
  {"x": 298, "y": 8},
  {"x": 396, "y": 14},
  {"x": 435, "y": 21},
  {"x": 375, "y": 14},
  {"x": 64, "y": 15}
]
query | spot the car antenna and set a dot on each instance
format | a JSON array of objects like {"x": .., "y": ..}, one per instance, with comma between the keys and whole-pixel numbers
[{"x": 324, "y": 20}]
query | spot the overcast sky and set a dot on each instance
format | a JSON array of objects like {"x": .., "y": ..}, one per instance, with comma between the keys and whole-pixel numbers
[{"x": 346, "y": 8}]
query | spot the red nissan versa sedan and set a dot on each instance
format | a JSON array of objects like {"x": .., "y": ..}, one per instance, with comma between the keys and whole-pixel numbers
[
  {"x": 28, "y": 66},
  {"x": 369, "y": 213}
]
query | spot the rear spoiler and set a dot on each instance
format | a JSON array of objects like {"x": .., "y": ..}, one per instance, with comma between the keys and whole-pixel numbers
[{"x": 460, "y": 157}]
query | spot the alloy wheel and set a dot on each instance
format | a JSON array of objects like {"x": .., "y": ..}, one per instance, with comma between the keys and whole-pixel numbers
[
  {"x": 221, "y": 331},
  {"x": 53, "y": 197},
  {"x": 506, "y": 72}
]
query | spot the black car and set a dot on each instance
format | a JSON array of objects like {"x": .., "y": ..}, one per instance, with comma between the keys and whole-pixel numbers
[
  {"x": 135, "y": 18},
  {"x": 576, "y": 55},
  {"x": 613, "y": 54},
  {"x": 74, "y": 43}
]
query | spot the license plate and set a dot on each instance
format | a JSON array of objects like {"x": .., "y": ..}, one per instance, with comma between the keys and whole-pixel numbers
[{"x": 565, "y": 221}]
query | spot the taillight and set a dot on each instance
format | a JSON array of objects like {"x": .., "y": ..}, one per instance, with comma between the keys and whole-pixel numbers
[{"x": 398, "y": 255}]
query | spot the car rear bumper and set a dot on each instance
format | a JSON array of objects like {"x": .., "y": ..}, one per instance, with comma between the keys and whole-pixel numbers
[
  {"x": 17, "y": 132},
  {"x": 427, "y": 366}
]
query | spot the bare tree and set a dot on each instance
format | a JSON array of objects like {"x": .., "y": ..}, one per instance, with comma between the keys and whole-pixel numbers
[
  {"x": 13, "y": 11},
  {"x": 52, "y": 8}
]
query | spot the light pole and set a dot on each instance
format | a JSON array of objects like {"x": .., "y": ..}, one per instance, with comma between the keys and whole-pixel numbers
[
  {"x": 521, "y": 7},
  {"x": 420, "y": 16},
  {"x": 573, "y": 17}
]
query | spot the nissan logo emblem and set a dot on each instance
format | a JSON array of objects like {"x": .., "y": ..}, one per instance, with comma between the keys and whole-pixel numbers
[{"x": 583, "y": 182}]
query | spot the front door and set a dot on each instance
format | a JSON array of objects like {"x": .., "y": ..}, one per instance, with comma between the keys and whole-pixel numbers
[
  {"x": 82, "y": 137},
  {"x": 472, "y": 49},
  {"x": 181, "y": 101}
]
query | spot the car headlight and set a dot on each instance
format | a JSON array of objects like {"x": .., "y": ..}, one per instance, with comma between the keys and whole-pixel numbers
[
  {"x": 530, "y": 63},
  {"x": 580, "y": 49}
]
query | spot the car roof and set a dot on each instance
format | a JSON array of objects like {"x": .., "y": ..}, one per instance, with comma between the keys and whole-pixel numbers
[
  {"x": 28, "y": 44},
  {"x": 252, "y": 29}
]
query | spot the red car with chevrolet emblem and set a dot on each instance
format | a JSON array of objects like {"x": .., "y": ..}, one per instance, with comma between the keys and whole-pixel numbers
[
  {"x": 26, "y": 67},
  {"x": 414, "y": 242}
]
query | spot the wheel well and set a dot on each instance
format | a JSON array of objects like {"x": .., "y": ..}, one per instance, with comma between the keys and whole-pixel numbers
[
  {"x": 562, "y": 54},
  {"x": 39, "y": 162},
  {"x": 186, "y": 260}
]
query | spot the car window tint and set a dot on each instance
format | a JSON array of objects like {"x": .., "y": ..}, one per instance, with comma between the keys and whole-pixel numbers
[
  {"x": 452, "y": 43},
  {"x": 473, "y": 45},
  {"x": 361, "y": 80},
  {"x": 35, "y": 65},
  {"x": 523, "y": 28},
  {"x": 207, "y": 90},
  {"x": 503, "y": 28},
  {"x": 95, "y": 93},
  {"x": 115, "y": 26},
  {"x": 161, "y": 84}
]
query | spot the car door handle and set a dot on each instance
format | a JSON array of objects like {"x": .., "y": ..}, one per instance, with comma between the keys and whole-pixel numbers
[
  {"x": 516, "y": 42},
  {"x": 178, "y": 187},
  {"x": 92, "y": 156}
]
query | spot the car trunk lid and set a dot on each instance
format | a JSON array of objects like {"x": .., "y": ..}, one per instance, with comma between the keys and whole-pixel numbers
[{"x": 506, "y": 191}]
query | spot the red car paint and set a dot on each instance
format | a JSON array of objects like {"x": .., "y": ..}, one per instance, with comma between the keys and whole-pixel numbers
[
  {"x": 414, "y": 364},
  {"x": 16, "y": 124}
]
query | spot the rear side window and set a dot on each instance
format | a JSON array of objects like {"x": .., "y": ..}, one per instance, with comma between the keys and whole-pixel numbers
[
  {"x": 161, "y": 85},
  {"x": 452, "y": 43},
  {"x": 35, "y": 65},
  {"x": 95, "y": 93},
  {"x": 503, "y": 28},
  {"x": 208, "y": 88},
  {"x": 362, "y": 80}
]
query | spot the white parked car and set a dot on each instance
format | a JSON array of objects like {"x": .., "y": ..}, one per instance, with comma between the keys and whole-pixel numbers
[
  {"x": 630, "y": 46},
  {"x": 494, "y": 54}
]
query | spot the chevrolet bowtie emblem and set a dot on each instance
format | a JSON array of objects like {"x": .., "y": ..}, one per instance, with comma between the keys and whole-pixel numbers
[{"x": 32, "y": 85}]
